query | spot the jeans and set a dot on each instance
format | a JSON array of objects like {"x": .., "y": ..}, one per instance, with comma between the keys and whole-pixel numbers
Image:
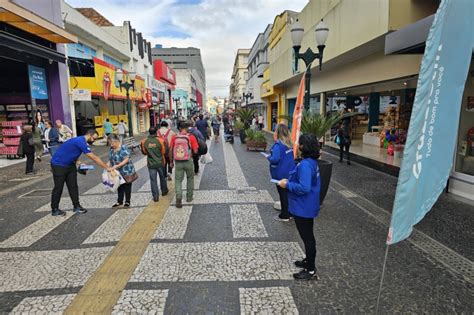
[
  {"x": 184, "y": 167},
  {"x": 52, "y": 150},
  {"x": 196, "y": 163},
  {"x": 345, "y": 146},
  {"x": 30, "y": 161},
  {"x": 305, "y": 229},
  {"x": 63, "y": 175},
  {"x": 125, "y": 190},
  {"x": 283, "y": 192},
  {"x": 155, "y": 191}
]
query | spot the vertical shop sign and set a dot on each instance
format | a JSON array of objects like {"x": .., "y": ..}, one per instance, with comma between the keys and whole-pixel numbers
[
  {"x": 430, "y": 145},
  {"x": 38, "y": 86}
]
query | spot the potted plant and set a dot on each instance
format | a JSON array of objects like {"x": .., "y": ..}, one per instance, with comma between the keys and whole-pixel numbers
[
  {"x": 238, "y": 125},
  {"x": 255, "y": 140},
  {"x": 245, "y": 115}
]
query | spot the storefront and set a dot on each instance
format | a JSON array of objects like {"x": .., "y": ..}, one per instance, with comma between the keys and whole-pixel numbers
[
  {"x": 97, "y": 96},
  {"x": 31, "y": 78},
  {"x": 167, "y": 76}
]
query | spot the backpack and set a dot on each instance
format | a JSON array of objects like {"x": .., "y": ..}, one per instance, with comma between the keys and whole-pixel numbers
[
  {"x": 182, "y": 148},
  {"x": 165, "y": 136},
  {"x": 201, "y": 141}
]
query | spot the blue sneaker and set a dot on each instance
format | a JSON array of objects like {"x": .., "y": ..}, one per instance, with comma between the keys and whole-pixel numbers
[
  {"x": 58, "y": 213},
  {"x": 79, "y": 210}
]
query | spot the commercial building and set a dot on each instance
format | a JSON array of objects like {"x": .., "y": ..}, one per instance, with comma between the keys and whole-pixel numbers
[
  {"x": 166, "y": 78},
  {"x": 103, "y": 49},
  {"x": 239, "y": 78},
  {"x": 257, "y": 63},
  {"x": 365, "y": 69},
  {"x": 190, "y": 74},
  {"x": 33, "y": 75}
]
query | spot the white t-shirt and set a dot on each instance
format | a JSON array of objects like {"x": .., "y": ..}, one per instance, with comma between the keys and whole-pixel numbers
[{"x": 260, "y": 119}]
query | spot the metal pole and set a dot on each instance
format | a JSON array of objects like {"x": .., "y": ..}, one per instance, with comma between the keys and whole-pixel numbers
[
  {"x": 129, "y": 109},
  {"x": 307, "y": 87}
]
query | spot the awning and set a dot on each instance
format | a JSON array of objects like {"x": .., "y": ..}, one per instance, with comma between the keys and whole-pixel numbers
[
  {"x": 21, "y": 18},
  {"x": 410, "y": 39}
]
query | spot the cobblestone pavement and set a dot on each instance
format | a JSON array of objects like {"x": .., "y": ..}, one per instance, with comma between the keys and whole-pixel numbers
[{"x": 224, "y": 253}]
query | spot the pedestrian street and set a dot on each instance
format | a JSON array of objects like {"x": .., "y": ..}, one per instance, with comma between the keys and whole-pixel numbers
[{"x": 223, "y": 253}]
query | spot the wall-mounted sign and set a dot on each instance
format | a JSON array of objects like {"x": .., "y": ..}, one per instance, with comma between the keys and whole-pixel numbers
[
  {"x": 38, "y": 86},
  {"x": 81, "y": 95}
]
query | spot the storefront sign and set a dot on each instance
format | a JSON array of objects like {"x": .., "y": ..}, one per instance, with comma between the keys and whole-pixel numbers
[
  {"x": 81, "y": 95},
  {"x": 431, "y": 142},
  {"x": 38, "y": 86},
  {"x": 388, "y": 101}
]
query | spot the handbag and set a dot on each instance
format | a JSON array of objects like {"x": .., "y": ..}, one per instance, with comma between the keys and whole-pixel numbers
[
  {"x": 131, "y": 178},
  {"x": 19, "y": 151}
]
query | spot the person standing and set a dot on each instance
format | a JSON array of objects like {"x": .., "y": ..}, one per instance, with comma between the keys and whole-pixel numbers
[
  {"x": 201, "y": 125},
  {"x": 281, "y": 163},
  {"x": 156, "y": 150},
  {"x": 26, "y": 141},
  {"x": 260, "y": 122},
  {"x": 65, "y": 133},
  {"x": 122, "y": 130},
  {"x": 182, "y": 147},
  {"x": 274, "y": 122},
  {"x": 304, "y": 185},
  {"x": 344, "y": 142},
  {"x": 63, "y": 166},
  {"x": 167, "y": 134},
  {"x": 216, "y": 126},
  {"x": 119, "y": 159},
  {"x": 51, "y": 137},
  {"x": 108, "y": 128}
]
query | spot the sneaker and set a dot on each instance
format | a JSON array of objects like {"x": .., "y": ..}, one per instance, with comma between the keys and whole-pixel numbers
[
  {"x": 126, "y": 205},
  {"x": 169, "y": 177},
  {"x": 179, "y": 203},
  {"x": 301, "y": 263},
  {"x": 79, "y": 210},
  {"x": 306, "y": 275},
  {"x": 156, "y": 199},
  {"x": 277, "y": 218},
  {"x": 164, "y": 193},
  {"x": 117, "y": 204},
  {"x": 38, "y": 158},
  {"x": 189, "y": 199},
  {"x": 58, "y": 213}
]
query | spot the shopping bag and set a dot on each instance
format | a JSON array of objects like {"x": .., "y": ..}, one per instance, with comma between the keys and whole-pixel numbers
[
  {"x": 207, "y": 158},
  {"x": 111, "y": 180}
]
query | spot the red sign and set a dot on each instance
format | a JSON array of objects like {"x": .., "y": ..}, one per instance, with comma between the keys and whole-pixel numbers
[{"x": 163, "y": 72}]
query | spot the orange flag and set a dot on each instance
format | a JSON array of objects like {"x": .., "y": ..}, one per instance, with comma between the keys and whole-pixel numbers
[{"x": 297, "y": 115}]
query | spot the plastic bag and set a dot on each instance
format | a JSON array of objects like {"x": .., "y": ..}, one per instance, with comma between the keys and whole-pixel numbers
[
  {"x": 207, "y": 158},
  {"x": 112, "y": 180}
]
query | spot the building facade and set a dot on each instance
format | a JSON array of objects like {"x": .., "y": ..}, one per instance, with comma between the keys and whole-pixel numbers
[
  {"x": 187, "y": 63},
  {"x": 239, "y": 78},
  {"x": 33, "y": 77}
]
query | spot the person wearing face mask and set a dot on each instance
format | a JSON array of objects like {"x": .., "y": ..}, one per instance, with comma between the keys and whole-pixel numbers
[{"x": 64, "y": 167}]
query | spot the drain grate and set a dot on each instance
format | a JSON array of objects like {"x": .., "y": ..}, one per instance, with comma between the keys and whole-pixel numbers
[
  {"x": 456, "y": 263},
  {"x": 36, "y": 193}
]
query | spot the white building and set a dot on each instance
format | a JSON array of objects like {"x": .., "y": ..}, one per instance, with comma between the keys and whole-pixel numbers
[{"x": 239, "y": 78}]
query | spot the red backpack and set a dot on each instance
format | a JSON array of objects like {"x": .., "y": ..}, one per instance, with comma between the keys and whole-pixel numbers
[{"x": 182, "y": 148}]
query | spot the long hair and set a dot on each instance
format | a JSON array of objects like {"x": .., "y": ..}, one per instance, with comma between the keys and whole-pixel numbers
[
  {"x": 283, "y": 134},
  {"x": 309, "y": 146}
]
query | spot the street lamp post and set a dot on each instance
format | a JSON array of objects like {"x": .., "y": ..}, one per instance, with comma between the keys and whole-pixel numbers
[
  {"x": 127, "y": 85},
  {"x": 247, "y": 96},
  {"x": 297, "y": 32}
]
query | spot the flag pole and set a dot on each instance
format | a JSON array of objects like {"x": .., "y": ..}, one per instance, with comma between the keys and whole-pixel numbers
[{"x": 381, "y": 279}]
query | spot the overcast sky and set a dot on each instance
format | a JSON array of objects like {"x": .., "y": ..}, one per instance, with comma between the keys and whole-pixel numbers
[{"x": 217, "y": 27}]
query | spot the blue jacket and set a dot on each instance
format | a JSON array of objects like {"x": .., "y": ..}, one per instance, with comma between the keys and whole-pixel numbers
[
  {"x": 281, "y": 161},
  {"x": 303, "y": 187},
  {"x": 53, "y": 137}
]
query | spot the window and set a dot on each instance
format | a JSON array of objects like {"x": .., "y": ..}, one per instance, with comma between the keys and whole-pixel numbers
[
  {"x": 246, "y": 75},
  {"x": 112, "y": 61},
  {"x": 80, "y": 50}
]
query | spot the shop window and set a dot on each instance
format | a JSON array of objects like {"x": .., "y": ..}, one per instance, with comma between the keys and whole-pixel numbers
[
  {"x": 112, "y": 61},
  {"x": 79, "y": 67}
]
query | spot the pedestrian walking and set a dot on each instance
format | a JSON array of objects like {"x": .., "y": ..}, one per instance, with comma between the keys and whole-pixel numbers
[
  {"x": 65, "y": 133},
  {"x": 260, "y": 122},
  {"x": 216, "y": 126},
  {"x": 64, "y": 167},
  {"x": 119, "y": 159},
  {"x": 108, "y": 128},
  {"x": 183, "y": 145},
  {"x": 281, "y": 163},
  {"x": 303, "y": 187},
  {"x": 51, "y": 137},
  {"x": 167, "y": 134},
  {"x": 28, "y": 148},
  {"x": 202, "y": 147},
  {"x": 274, "y": 122},
  {"x": 122, "y": 130},
  {"x": 201, "y": 125},
  {"x": 343, "y": 140},
  {"x": 156, "y": 150}
]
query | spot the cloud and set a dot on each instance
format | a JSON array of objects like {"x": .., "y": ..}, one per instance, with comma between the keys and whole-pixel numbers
[{"x": 217, "y": 27}]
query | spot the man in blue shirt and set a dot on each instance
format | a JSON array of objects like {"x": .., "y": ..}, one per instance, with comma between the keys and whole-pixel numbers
[{"x": 63, "y": 165}]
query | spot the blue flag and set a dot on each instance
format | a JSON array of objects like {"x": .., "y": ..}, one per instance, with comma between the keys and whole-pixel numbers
[{"x": 429, "y": 150}]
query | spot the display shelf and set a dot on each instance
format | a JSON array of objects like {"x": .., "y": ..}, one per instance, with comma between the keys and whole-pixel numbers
[{"x": 11, "y": 133}]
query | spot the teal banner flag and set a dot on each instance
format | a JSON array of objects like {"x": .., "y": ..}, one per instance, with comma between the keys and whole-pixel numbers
[{"x": 429, "y": 150}]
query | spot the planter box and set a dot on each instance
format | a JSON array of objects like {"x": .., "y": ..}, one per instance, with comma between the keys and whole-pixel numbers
[{"x": 256, "y": 145}]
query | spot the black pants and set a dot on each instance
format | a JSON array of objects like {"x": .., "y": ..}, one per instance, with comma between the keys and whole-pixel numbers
[
  {"x": 63, "y": 175},
  {"x": 125, "y": 190},
  {"x": 305, "y": 229},
  {"x": 345, "y": 146},
  {"x": 30, "y": 161},
  {"x": 196, "y": 163},
  {"x": 283, "y": 192}
]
